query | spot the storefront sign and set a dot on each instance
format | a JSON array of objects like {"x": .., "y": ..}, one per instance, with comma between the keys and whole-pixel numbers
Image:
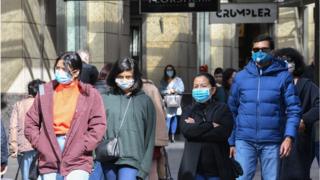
[
  {"x": 157, "y": 6},
  {"x": 245, "y": 13}
]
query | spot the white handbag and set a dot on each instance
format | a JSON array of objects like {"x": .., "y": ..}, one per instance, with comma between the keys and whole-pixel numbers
[{"x": 172, "y": 100}]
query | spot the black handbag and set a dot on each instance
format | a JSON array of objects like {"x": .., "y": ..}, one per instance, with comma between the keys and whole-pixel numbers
[
  {"x": 34, "y": 168},
  {"x": 108, "y": 151},
  {"x": 236, "y": 168}
]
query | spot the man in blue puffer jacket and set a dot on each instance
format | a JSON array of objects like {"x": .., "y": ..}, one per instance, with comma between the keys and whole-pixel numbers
[{"x": 266, "y": 112}]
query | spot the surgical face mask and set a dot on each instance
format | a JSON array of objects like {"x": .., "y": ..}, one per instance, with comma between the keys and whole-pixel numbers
[
  {"x": 261, "y": 57},
  {"x": 291, "y": 67},
  {"x": 169, "y": 73},
  {"x": 201, "y": 95},
  {"x": 63, "y": 77},
  {"x": 124, "y": 83}
]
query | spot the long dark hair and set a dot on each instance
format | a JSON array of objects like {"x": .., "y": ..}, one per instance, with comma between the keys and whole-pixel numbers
[
  {"x": 125, "y": 64},
  {"x": 165, "y": 76},
  {"x": 71, "y": 59}
]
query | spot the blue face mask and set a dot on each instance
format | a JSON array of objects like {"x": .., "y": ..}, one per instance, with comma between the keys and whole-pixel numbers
[
  {"x": 201, "y": 95},
  {"x": 169, "y": 73},
  {"x": 63, "y": 77},
  {"x": 124, "y": 84},
  {"x": 261, "y": 57}
]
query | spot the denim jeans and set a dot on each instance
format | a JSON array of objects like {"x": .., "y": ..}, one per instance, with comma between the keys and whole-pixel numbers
[
  {"x": 248, "y": 153},
  {"x": 172, "y": 123},
  {"x": 114, "y": 172},
  {"x": 97, "y": 173},
  {"x": 202, "y": 177},
  {"x": 25, "y": 159},
  {"x": 73, "y": 175}
]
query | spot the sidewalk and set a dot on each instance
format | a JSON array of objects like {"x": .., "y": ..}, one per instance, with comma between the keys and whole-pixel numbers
[{"x": 175, "y": 151}]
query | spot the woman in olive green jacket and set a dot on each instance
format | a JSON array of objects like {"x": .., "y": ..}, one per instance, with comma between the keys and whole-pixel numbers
[{"x": 127, "y": 103}]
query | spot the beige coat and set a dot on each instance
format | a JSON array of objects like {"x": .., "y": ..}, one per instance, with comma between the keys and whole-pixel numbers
[
  {"x": 17, "y": 141},
  {"x": 161, "y": 129}
]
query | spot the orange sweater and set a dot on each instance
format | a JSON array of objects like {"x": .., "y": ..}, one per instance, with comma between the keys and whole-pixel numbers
[{"x": 64, "y": 106}]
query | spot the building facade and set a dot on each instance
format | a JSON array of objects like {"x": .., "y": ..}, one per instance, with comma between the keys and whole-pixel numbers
[{"x": 34, "y": 32}]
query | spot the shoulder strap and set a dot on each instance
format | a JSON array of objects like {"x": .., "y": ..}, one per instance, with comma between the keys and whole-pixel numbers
[{"x": 124, "y": 116}]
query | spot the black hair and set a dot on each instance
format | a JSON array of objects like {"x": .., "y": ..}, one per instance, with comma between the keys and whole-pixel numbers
[
  {"x": 71, "y": 59},
  {"x": 218, "y": 70},
  {"x": 292, "y": 55},
  {"x": 165, "y": 76},
  {"x": 125, "y": 64},
  {"x": 208, "y": 76},
  {"x": 263, "y": 37},
  {"x": 227, "y": 74},
  {"x": 105, "y": 71},
  {"x": 33, "y": 87}
]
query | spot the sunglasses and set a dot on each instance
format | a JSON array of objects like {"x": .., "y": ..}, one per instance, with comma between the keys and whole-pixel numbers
[{"x": 261, "y": 49}]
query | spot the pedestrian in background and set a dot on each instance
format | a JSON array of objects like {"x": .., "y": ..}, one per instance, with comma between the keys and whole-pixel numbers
[
  {"x": 19, "y": 146},
  {"x": 298, "y": 164},
  {"x": 218, "y": 76},
  {"x": 206, "y": 126},
  {"x": 132, "y": 119},
  {"x": 66, "y": 122},
  {"x": 103, "y": 88},
  {"x": 267, "y": 112},
  {"x": 161, "y": 136},
  {"x": 101, "y": 84},
  {"x": 171, "y": 84},
  {"x": 227, "y": 80},
  {"x": 89, "y": 73}
]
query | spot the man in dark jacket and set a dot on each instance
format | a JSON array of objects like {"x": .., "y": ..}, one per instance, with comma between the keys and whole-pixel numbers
[
  {"x": 89, "y": 73},
  {"x": 266, "y": 110}
]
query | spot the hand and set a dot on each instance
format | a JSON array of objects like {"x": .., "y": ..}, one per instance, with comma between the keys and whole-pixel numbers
[
  {"x": 172, "y": 91},
  {"x": 302, "y": 126},
  {"x": 3, "y": 169},
  {"x": 215, "y": 124},
  {"x": 189, "y": 120},
  {"x": 232, "y": 152},
  {"x": 286, "y": 147},
  {"x": 14, "y": 154}
]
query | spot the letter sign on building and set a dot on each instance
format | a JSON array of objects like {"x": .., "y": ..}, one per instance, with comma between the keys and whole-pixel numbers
[
  {"x": 157, "y": 6},
  {"x": 245, "y": 13}
]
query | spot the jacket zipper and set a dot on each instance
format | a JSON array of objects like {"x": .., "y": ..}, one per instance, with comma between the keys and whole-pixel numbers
[{"x": 258, "y": 103}]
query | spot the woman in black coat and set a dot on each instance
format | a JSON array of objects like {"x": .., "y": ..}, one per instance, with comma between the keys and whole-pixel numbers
[
  {"x": 297, "y": 165},
  {"x": 206, "y": 126}
]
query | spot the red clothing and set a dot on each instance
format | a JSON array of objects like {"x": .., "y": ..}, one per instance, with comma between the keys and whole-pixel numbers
[
  {"x": 87, "y": 130},
  {"x": 65, "y": 99}
]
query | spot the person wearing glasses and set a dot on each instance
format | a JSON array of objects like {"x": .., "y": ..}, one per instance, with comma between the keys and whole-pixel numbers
[
  {"x": 66, "y": 122},
  {"x": 266, "y": 112}
]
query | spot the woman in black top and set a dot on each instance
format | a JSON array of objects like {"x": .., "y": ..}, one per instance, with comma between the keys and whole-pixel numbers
[
  {"x": 206, "y": 126},
  {"x": 298, "y": 164}
]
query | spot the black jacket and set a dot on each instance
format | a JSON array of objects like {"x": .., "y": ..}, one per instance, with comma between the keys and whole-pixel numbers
[
  {"x": 89, "y": 74},
  {"x": 297, "y": 165},
  {"x": 4, "y": 146},
  {"x": 203, "y": 134}
]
